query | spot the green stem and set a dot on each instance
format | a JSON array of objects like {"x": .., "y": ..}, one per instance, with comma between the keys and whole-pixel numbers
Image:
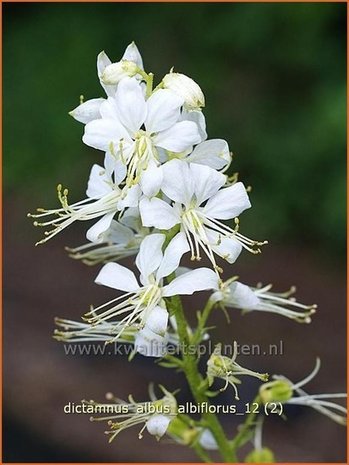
[
  {"x": 195, "y": 379},
  {"x": 245, "y": 429},
  {"x": 201, "y": 453},
  {"x": 149, "y": 83},
  {"x": 203, "y": 317}
]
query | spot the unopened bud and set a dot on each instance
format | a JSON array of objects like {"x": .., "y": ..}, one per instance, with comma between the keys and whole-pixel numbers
[
  {"x": 263, "y": 455},
  {"x": 181, "y": 432},
  {"x": 186, "y": 88},
  {"x": 276, "y": 391},
  {"x": 116, "y": 71}
]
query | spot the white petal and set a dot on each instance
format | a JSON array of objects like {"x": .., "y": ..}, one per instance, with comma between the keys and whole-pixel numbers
[
  {"x": 131, "y": 218},
  {"x": 157, "y": 425},
  {"x": 132, "y": 54},
  {"x": 87, "y": 111},
  {"x": 241, "y": 296},
  {"x": 157, "y": 320},
  {"x": 178, "y": 182},
  {"x": 101, "y": 133},
  {"x": 151, "y": 179},
  {"x": 150, "y": 254},
  {"x": 228, "y": 203},
  {"x": 179, "y": 137},
  {"x": 96, "y": 232},
  {"x": 155, "y": 212},
  {"x": 207, "y": 181},
  {"x": 108, "y": 109},
  {"x": 99, "y": 183},
  {"x": 117, "y": 277},
  {"x": 163, "y": 110},
  {"x": 102, "y": 62},
  {"x": 213, "y": 153},
  {"x": 226, "y": 247},
  {"x": 193, "y": 281},
  {"x": 109, "y": 163},
  {"x": 150, "y": 344},
  {"x": 115, "y": 166},
  {"x": 131, "y": 198},
  {"x": 198, "y": 118},
  {"x": 172, "y": 255},
  {"x": 207, "y": 440},
  {"x": 119, "y": 233},
  {"x": 130, "y": 102}
]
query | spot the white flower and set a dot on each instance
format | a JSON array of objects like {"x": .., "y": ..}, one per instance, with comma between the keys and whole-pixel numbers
[
  {"x": 270, "y": 393},
  {"x": 121, "y": 240},
  {"x": 146, "y": 341},
  {"x": 237, "y": 295},
  {"x": 133, "y": 129},
  {"x": 140, "y": 301},
  {"x": 220, "y": 366},
  {"x": 190, "y": 186},
  {"x": 104, "y": 199},
  {"x": 155, "y": 415},
  {"x": 186, "y": 88},
  {"x": 89, "y": 110}
]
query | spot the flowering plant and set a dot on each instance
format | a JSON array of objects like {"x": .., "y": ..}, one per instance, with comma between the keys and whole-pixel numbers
[{"x": 160, "y": 193}]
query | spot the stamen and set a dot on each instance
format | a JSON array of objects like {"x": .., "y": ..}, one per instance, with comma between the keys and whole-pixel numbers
[{"x": 84, "y": 210}]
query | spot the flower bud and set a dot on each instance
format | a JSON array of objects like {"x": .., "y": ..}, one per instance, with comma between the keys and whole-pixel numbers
[
  {"x": 263, "y": 455},
  {"x": 113, "y": 73},
  {"x": 276, "y": 391},
  {"x": 186, "y": 88},
  {"x": 181, "y": 432},
  {"x": 207, "y": 441},
  {"x": 157, "y": 425}
]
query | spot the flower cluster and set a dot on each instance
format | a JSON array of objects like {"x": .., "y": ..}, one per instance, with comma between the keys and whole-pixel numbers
[
  {"x": 159, "y": 193},
  {"x": 161, "y": 179},
  {"x": 154, "y": 415}
]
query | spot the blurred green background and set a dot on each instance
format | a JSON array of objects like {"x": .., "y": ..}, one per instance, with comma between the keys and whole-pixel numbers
[{"x": 273, "y": 76}]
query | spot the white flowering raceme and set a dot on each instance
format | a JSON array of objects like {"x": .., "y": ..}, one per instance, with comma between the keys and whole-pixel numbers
[
  {"x": 283, "y": 390},
  {"x": 199, "y": 206},
  {"x": 155, "y": 415},
  {"x": 129, "y": 65},
  {"x": 104, "y": 199},
  {"x": 133, "y": 128},
  {"x": 186, "y": 88},
  {"x": 164, "y": 190},
  {"x": 237, "y": 295},
  {"x": 140, "y": 300},
  {"x": 220, "y": 366}
]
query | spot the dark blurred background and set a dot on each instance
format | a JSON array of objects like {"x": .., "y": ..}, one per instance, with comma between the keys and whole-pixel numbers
[{"x": 274, "y": 78}]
